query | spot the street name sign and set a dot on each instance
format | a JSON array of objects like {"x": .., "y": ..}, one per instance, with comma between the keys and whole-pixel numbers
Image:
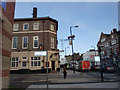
[{"x": 40, "y": 53}]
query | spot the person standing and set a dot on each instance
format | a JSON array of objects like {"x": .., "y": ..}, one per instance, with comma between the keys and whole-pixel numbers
[{"x": 64, "y": 72}]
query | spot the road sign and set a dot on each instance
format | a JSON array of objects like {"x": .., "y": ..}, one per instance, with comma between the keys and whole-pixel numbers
[
  {"x": 40, "y": 53},
  {"x": 97, "y": 58}
]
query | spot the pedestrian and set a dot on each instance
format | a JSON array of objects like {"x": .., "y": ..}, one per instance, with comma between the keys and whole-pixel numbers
[{"x": 64, "y": 72}]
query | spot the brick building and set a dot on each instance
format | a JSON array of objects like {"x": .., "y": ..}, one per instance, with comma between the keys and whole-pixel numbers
[
  {"x": 109, "y": 47},
  {"x": 31, "y": 35},
  {"x": 6, "y": 23},
  {"x": 76, "y": 57}
]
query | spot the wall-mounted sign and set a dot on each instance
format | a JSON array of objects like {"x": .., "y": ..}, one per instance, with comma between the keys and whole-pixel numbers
[
  {"x": 40, "y": 53},
  {"x": 61, "y": 51},
  {"x": 97, "y": 58}
]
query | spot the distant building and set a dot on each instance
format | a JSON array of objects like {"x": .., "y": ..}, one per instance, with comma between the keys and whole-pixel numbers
[
  {"x": 6, "y": 23},
  {"x": 110, "y": 47},
  {"x": 31, "y": 35},
  {"x": 63, "y": 61},
  {"x": 90, "y": 56},
  {"x": 69, "y": 58}
]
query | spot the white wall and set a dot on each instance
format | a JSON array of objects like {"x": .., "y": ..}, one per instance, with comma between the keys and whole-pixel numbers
[{"x": 89, "y": 55}]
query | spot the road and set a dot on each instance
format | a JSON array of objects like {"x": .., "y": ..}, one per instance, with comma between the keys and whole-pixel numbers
[{"x": 25, "y": 80}]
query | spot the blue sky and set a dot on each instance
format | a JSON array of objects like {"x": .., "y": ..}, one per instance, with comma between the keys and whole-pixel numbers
[{"x": 92, "y": 18}]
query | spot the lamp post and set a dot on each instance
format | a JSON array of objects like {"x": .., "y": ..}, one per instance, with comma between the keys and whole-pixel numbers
[
  {"x": 99, "y": 49},
  {"x": 72, "y": 45}
]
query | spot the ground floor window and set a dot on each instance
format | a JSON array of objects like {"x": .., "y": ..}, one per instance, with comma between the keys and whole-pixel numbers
[
  {"x": 35, "y": 61},
  {"x": 24, "y": 64},
  {"x": 14, "y": 62}
]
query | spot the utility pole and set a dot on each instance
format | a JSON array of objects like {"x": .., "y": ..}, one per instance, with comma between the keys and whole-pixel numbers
[
  {"x": 71, "y": 37},
  {"x": 99, "y": 49}
]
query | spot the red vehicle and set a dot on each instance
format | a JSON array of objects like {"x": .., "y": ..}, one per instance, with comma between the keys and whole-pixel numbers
[{"x": 84, "y": 65}]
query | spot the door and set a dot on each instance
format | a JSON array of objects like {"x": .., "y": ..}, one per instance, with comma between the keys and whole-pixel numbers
[{"x": 53, "y": 65}]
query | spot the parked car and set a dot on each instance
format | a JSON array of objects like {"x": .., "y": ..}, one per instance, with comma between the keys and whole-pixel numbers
[
  {"x": 97, "y": 67},
  {"x": 108, "y": 68}
]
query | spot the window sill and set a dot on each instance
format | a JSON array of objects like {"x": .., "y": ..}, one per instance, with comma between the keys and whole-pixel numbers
[
  {"x": 14, "y": 48},
  {"x": 24, "y": 48}
]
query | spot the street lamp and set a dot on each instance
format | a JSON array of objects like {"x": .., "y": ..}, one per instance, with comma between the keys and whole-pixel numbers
[
  {"x": 72, "y": 45},
  {"x": 99, "y": 49}
]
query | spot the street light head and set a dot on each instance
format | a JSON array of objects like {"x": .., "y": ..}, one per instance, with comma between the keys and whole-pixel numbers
[{"x": 76, "y": 26}]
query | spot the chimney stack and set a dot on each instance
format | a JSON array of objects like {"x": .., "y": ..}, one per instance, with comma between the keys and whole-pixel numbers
[
  {"x": 34, "y": 12},
  {"x": 114, "y": 30}
]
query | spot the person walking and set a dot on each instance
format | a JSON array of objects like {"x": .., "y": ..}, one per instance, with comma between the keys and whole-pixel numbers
[{"x": 64, "y": 72}]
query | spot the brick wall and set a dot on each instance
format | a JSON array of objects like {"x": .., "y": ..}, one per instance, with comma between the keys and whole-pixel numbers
[
  {"x": 9, "y": 12},
  {"x": 6, "y": 33}
]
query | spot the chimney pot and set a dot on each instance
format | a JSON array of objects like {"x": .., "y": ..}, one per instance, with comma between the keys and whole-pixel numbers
[
  {"x": 34, "y": 12},
  {"x": 114, "y": 30}
]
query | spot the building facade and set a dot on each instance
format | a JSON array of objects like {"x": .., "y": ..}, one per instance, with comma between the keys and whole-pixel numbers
[
  {"x": 90, "y": 56},
  {"x": 109, "y": 47},
  {"x": 76, "y": 56},
  {"x": 31, "y": 35},
  {"x": 6, "y": 23}
]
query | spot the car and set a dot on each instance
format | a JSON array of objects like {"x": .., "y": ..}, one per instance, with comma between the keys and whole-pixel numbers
[
  {"x": 108, "y": 68},
  {"x": 97, "y": 67}
]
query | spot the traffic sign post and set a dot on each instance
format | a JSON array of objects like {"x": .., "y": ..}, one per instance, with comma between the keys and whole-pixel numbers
[
  {"x": 43, "y": 53},
  {"x": 47, "y": 68}
]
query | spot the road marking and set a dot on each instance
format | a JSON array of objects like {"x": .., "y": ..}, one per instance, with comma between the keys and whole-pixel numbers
[{"x": 42, "y": 80}]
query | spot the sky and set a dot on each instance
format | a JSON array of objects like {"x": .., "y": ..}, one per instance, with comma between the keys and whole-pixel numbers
[{"x": 92, "y": 18}]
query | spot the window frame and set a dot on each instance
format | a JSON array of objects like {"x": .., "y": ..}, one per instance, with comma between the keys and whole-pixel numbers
[
  {"x": 33, "y": 60},
  {"x": 53, "y": 42},
  {"x": 22, "y": 64},
  {"x": 34, "y": 42},
  {"x": 52, "y": 26},
  {"x": 13, "y": 42},
  {"x": 113, "y": 42},
  {"x": 23, "y": 42},
  {"x": 15, "y": 28},
  {"x": 103, "y": 39},
  {"x": 24, "y": 26},
  {"x": 14, "y": 62},
  {"x": 24, "y": 59},
  {"x": 34, "y": 26}
]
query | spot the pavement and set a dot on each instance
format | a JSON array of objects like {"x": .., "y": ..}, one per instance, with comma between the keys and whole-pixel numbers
[
  {"x": 72, "y": 81},
  {"x": 76, "y": 84},
  {"x": 103, "y": 85}
]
